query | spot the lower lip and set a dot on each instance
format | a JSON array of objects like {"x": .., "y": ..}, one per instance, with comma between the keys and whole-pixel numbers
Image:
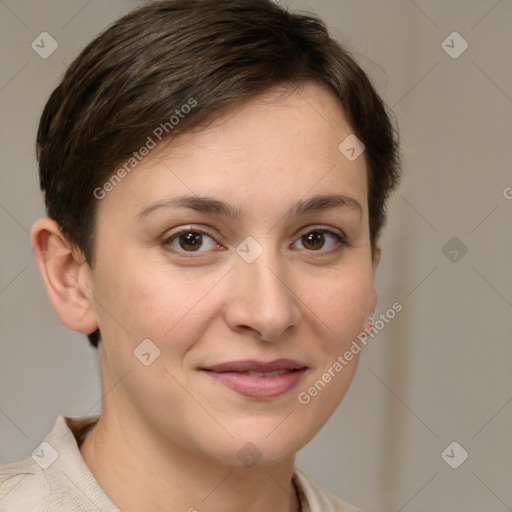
[{"x": 258, "y": 388}]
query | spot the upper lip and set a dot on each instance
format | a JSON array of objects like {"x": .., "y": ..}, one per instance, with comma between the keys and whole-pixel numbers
[{"x": 256, "y": 366}]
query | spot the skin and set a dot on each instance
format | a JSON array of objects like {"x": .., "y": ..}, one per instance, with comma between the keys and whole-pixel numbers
[{"x": 169, "y": 435}]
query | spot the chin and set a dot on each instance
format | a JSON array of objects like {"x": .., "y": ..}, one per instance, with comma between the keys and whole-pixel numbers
[
  {"x": 263, "y": 443},
  {"x": 249, "y": 454}
]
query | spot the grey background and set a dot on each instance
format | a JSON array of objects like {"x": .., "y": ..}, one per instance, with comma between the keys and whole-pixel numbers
[{"x": 441, "y": 370}]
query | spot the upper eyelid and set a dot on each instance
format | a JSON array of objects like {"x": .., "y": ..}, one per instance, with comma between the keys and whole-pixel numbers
[{"x": 307, "y": 229}]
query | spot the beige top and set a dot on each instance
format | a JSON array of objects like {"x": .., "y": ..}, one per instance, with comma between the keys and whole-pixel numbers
[{"x": 55, "y": 478}]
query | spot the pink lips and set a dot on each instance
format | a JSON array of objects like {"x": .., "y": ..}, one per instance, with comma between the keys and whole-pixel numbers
[{"x": 258, "y": 379}]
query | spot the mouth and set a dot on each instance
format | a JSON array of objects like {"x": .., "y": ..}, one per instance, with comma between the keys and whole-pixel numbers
[{"x": 257, "y": 379}]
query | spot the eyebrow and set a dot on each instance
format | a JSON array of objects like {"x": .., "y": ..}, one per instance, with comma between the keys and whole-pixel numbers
[{"x": 210, "y": 205}]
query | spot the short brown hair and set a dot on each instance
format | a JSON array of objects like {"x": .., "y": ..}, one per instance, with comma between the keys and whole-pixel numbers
[{"x": 135, "y": 75}]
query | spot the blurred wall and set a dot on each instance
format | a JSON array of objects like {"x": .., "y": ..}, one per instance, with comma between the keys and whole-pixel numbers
[{"x": 440, "y": 371}]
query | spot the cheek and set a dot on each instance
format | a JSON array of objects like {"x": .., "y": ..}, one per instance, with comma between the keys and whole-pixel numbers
[
  {"x": 162, "y": 304},
  {"x": 341, "y": 305},
  {"x": 339, "y": 312}
]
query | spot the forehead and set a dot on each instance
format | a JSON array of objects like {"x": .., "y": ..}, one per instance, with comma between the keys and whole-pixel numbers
[{"x": 282, "y": 144}]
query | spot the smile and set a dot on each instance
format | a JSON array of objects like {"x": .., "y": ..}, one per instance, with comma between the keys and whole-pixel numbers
[{"x": 256, "y": 379}]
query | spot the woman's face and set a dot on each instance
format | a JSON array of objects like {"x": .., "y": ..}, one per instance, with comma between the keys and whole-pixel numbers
[{"x": 270, "y": 276}]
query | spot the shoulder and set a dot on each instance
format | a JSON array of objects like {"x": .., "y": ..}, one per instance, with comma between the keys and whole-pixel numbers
[
  {"x": 316, "y": 499},
  {"x": 23, "y": 486},
  {"x": 54, "y": 478}
]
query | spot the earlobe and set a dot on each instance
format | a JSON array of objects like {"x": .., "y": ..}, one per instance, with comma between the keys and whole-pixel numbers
[
  {"x": 65, "y": 277},
  {"x": 376, "y": 258}
]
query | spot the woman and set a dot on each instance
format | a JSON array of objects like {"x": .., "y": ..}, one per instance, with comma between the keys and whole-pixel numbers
[{"x": 215, "y": 176}]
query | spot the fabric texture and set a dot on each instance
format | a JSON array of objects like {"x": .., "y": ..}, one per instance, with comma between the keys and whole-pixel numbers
[{"x": 55, "y": 478}]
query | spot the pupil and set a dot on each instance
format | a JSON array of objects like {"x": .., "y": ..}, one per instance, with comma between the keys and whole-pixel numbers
[{"x": 191, "y": 239}]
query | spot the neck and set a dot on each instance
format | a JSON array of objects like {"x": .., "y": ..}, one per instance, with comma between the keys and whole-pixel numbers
[{"x": 139, "y": 469}]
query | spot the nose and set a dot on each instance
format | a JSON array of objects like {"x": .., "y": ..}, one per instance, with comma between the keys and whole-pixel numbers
[{"x": 262, "y": 301}]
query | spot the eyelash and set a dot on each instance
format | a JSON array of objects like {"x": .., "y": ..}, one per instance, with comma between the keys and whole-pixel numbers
[{"x": 341, "y": 241}]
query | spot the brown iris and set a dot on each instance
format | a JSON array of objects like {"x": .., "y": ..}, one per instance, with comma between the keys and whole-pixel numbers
[
  {"x": 191, "y": 239},
  {"x": 315, "y": 239}
]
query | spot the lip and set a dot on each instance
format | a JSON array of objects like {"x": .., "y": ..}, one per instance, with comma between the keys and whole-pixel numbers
[
  {"x": 235, "y": 375},
  {"x": 252, "y": 365}
]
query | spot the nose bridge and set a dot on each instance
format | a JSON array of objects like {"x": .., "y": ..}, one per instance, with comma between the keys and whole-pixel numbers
[
  {"x": 264, "y": 298},
  {"x": 264, "y": 274}
]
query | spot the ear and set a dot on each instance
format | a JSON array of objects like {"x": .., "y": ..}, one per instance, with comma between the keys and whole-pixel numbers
[
  {"x": 375, "y": 264},
  {"x": 66, "y": 276}
]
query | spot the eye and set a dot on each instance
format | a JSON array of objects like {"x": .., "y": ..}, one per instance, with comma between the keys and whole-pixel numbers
[
  {"x": 316, "y": 239},
  {"x": 190, "y": 240}
]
